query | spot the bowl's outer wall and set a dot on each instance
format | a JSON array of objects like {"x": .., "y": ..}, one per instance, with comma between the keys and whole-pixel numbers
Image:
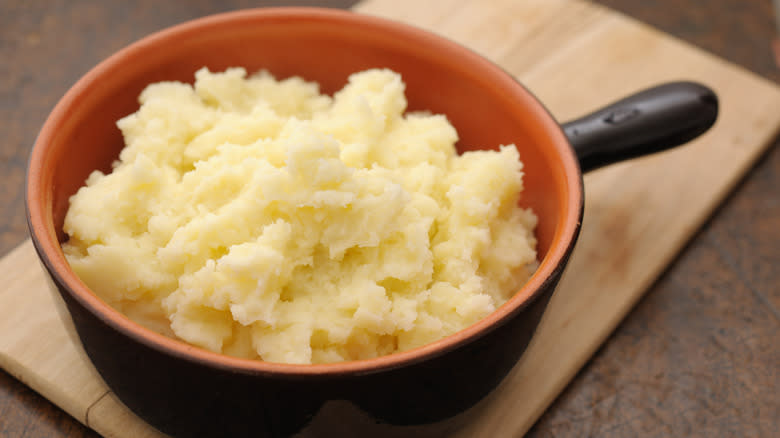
[
  {"x": 188, "y": 397},
  {"x": 185, "y": 398}
]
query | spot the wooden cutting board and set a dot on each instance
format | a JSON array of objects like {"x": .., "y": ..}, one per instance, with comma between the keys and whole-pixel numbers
[{"x": 574, "y": 56}]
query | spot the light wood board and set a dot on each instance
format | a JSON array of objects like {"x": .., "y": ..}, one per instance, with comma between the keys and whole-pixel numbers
[{"x": 574, "y": 56}]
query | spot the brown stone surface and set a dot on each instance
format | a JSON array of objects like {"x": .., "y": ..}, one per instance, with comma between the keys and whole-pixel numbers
[{"x": 699, "y": 355}]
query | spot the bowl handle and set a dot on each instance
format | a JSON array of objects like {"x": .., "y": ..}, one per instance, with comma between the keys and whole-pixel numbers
[{"x": 649, "y": 121}]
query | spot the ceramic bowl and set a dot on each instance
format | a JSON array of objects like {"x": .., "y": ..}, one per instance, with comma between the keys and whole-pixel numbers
[{"x": 187, "y": 391}]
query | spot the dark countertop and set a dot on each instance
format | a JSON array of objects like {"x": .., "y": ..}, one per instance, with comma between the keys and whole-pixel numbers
[{"x": 698, "y": 356}]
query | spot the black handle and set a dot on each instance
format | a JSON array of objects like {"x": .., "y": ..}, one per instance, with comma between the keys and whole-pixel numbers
[{"x": 652, "y": 120}]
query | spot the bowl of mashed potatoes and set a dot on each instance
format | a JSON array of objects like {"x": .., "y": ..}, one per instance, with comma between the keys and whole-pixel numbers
[{"x": 254, "y": 213}]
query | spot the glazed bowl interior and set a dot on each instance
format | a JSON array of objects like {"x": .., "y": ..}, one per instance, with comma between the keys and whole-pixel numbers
[{"x": 486, "y": 106}]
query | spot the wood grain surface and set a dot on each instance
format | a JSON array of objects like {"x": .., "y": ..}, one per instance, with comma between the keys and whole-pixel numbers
[{"x": 697, "y": 357}]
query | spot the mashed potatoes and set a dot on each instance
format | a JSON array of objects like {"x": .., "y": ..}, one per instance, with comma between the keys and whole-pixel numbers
[{"x": 260, "y": 219}]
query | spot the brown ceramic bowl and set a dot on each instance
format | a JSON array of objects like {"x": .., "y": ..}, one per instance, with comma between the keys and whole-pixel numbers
[{"x": 187, "y": 391}]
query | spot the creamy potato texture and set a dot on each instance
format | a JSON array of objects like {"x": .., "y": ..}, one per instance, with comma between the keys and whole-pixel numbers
[{"x": 261, "y": 219}]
